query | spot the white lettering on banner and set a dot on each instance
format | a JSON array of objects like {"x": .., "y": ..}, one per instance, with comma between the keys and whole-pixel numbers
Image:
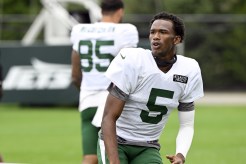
[{"x": 40, "y": 75}]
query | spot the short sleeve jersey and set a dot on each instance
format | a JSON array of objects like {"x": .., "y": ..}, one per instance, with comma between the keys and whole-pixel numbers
[
  {"x": 97, "y": 44},
  {"x": 152, "y": 93}
]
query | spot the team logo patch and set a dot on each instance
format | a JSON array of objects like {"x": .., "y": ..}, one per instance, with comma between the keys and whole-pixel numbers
[
  {"x": 180, "y": 78},
  {"x": 123, "y": 57}
]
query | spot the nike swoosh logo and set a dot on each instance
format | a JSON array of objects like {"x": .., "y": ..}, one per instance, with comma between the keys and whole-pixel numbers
[{"x": 123, "y": 57}]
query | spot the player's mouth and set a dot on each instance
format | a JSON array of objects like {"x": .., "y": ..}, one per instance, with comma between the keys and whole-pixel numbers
[{"x": 156, "y": 45}]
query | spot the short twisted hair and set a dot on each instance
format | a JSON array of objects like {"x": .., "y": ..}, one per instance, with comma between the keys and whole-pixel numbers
[{"x": 178, "y": 24}]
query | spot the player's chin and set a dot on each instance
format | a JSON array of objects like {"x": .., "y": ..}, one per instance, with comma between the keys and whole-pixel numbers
[
  {"x": 155, "y": 47},
  {"x": 155, "y": 51}
]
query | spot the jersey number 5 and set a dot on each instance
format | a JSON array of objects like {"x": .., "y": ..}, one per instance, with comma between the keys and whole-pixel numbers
[
  {"x": 158, "y": 109},
  {"x": 95, "y": 49}
]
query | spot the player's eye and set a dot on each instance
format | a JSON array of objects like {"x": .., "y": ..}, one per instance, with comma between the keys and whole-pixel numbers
[
  {"x": 164, "y": 32},
  {"x": 152, "y": 32}
]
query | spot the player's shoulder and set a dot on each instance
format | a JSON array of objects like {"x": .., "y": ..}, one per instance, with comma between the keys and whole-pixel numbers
[
  {"x": 189, "y": 62},
  {"x": 125, "y": 27},
  {"x": 135, "y": 52},
  {"x": 188, "y": 66},
  {"x": 136, "y": 56},
  {"x": 81, "y": 25},
  {"x": 139, "y": 60}
]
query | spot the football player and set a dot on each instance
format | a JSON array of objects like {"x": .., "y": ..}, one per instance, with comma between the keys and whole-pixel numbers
[
  {"x": 146, "y": 86},
  {"x": 94, "y": 47}
]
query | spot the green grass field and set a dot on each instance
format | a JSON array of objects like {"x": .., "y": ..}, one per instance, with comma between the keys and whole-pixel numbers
[{"x": 52, "y": 135}]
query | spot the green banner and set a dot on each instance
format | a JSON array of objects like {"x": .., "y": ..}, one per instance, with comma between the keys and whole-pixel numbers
[{"x": 38, "y": 75}]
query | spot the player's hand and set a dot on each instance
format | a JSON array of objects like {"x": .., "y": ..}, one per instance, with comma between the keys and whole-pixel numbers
[{"x": 176, "y": 159}]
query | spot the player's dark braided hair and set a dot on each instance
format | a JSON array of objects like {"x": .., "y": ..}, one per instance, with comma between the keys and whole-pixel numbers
[{"x": 178, "y": 24}]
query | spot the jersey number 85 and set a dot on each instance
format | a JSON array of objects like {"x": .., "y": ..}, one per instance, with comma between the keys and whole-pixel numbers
[{"x": 95, "y": 49}]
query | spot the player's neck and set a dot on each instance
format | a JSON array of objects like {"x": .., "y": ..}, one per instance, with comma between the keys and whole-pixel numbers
[
  {"x": 165, "y": 69},
  {"x": 165, "y": 64},
  {"x": 110, "y": 19}
]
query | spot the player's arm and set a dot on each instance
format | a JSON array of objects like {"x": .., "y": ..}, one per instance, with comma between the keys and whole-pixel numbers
[
  {"x": 113, "y": 108},
  {"x": 185, "y": 135},
  {"x": 76, "y": 69}
]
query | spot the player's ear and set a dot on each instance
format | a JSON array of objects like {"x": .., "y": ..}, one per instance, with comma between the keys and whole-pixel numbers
[
  {"x": 177, "y": 39},
  {"x": 121, "y": 12},
  {"x": 119, "y": 15}
]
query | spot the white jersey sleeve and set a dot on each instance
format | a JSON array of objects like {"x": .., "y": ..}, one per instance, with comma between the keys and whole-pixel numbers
[
  {"x": 194, "y": 88},
  {"x": 123, "y": 72}
]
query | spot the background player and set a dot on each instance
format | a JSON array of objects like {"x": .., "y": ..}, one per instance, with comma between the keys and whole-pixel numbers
[
  {"x": 94, "y": 47},
  {"x": 146, "y": 86}
]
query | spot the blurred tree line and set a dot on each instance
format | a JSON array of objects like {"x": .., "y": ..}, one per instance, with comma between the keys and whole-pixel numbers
[
  {"x": 16, "y": 17},
  {"x": 217, "y": 44}
]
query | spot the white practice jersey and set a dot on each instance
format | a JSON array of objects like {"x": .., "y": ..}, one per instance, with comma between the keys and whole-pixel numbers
[
  {"x": 97, "y": 45},
  {"x": 152, "y": 93}
]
